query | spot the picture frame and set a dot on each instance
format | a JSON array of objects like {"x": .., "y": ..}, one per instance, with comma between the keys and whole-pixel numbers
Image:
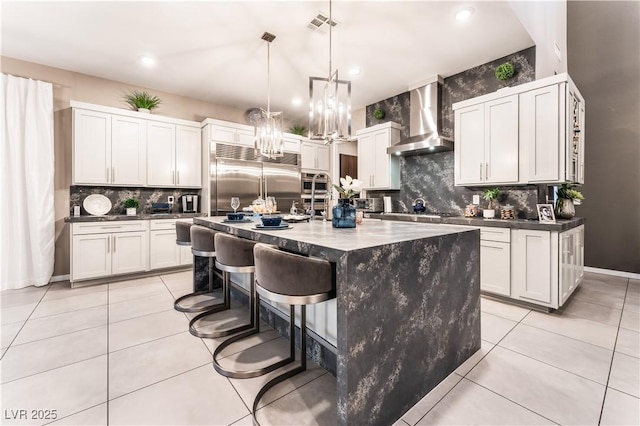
[{"x": 545, "y": 213}]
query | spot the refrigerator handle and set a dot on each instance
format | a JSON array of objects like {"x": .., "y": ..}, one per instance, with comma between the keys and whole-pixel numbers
[
  {"x": 266, "y": 190},
  {"x": 260, "y": 186}
]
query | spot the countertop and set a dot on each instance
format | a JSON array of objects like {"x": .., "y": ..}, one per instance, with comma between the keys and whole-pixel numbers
[
  {"x": 116, "y": 217},
  {"x": 559, "y": 226}
]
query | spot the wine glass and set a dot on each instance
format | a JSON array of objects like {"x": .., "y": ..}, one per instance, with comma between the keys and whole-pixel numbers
[
  {"x": 270, "y": 204},
  {"x": 235, "y": 203}
]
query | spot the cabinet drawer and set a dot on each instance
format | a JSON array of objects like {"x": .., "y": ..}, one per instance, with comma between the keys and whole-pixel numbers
[
  {"x": 160, "y": 224},
  {"x": 109, "y": 227},
  {"x": 495, "y": 234}
]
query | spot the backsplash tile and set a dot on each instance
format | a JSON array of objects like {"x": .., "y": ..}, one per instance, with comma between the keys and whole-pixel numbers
[{"x": 117, "y": 195}]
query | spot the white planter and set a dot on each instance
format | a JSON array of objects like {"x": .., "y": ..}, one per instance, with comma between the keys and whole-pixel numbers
[
  {"x": 144, "y": 110},
  {"x": 488, "y": 214},
  {"x": 131, "y": 211}
]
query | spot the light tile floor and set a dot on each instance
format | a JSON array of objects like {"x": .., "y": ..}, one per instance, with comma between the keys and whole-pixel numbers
[{"x": 119, "y": 354}]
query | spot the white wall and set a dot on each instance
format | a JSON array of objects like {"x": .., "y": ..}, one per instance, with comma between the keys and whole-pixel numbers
[{"x": 546, "y": 23}]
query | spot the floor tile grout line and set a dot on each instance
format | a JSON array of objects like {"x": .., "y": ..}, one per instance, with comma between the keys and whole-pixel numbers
[
  {"x": 25, "y": 322},
  {"x": 59, "y": 335},
  {"x": 55, "y": 368},
  {"x": 443, "y": 396},
  {"x": 155, "y": 383},
  {"x": 76, "y": 412},
  {"x": 572, "y": 338},
  {"x": 141, "y": 316},
  {"x": 292, "y": 390},
  {"x": 148, "y": 341},
  {"x": 613, "y": 354},
  {"x": 69, "y": 311}
]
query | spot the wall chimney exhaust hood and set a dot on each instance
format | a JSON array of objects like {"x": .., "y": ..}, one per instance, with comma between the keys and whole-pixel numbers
[{"x": 425, "y": 121}]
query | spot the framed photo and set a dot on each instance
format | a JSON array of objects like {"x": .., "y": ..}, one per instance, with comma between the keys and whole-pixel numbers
[{"x": 545, "y": 213}]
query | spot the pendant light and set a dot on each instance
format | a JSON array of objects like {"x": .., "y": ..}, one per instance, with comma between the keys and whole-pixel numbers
[
  {"x": 268, "y": 126},
  {"x": 329, "y": 102}
]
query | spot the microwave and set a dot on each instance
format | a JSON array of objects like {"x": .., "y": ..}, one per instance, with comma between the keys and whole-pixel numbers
[
  {"x": 322, "y": 184},
  {"x": 370, "y": 205}
]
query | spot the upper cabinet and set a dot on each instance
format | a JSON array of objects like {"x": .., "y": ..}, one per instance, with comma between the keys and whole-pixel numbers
[
  {"x": 528, "y": 134},
  {"x": 486, "y": 150},
  {"x": 314, "y": 156},
  {"x": 231, "y": 135},
  {"x": 125, "y": 148},
  {"x": 376, "y": 168}
]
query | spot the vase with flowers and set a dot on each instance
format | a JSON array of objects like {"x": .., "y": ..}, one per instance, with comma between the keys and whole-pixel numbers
[
  {"x": 568, "y": 196},
  {"x": 344, "y": 213}
]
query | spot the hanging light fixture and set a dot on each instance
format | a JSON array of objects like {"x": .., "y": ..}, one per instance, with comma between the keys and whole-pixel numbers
[
  {"x": 329, "y": 102},
  {"x": 268, "y": 125}
]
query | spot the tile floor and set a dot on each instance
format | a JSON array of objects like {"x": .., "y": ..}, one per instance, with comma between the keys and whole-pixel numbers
[{"x": 119, "y": 354}]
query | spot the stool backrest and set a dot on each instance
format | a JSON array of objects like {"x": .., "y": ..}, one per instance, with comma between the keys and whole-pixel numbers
[
  {"x": 291, "y": 274},
  {"x": 183, "y": 231},
  {"x": 234, "y": 251},
  {"x": 202, "y": 239}
]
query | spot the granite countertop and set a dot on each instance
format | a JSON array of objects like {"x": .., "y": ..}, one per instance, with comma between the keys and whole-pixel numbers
[
  {"x": 559, "y": 226},
  {"x": 117, "y": 217},
  {"x": 321, "y": 239}
]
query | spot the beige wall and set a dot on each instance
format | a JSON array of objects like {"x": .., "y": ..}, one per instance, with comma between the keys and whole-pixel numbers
[{"x": 69, "y": 86}]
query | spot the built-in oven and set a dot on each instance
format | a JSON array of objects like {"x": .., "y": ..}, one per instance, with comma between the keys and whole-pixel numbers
[{"x": 322, "y": 184}]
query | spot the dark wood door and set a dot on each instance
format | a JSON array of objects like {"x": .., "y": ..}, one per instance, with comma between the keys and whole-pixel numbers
[{"x": 349, "y": 165}]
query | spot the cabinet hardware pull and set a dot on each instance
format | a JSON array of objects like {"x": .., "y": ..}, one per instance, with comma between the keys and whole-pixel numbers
[
  {"x": 113, "y": 174},
  {"x": 114, "y": 243},
  {"x": 108, "y": 175},
  {"x": 110, "y": 227},
  {"x": 108, "y": 244},
  {"x": 173, "y": 177},
  {"x": 486, "y": 171},
  {"x": 480, "y": 171},
  {"x": 178, "y": 177}
]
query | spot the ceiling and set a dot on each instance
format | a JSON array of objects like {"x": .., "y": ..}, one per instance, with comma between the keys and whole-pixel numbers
[{"x": 213, "y": 51}]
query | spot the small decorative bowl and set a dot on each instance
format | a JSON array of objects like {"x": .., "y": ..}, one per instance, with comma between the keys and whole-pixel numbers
[
  {"x": 271, "y": 220},
  {"x": 235, "y": 216}
]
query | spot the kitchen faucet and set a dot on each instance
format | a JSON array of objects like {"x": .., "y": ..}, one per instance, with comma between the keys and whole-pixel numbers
[{"x": 327, "y": 214}]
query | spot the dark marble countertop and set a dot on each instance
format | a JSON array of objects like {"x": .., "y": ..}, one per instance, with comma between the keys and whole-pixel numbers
[
  {"x": 559, "y": 226},
  {"x": 115, "y": 217}
]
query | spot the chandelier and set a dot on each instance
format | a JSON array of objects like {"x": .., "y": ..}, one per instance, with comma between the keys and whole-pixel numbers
[
  {"x": 268, "y": 125},
  {"x": 329, "y": 102}
]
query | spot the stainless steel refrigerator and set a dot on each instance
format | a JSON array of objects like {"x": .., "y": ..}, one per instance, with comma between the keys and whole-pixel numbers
[{"x": 249, "y": 179}]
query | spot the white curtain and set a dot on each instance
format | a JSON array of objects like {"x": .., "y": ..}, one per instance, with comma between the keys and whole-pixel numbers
[{"x": 27, "y": 217}]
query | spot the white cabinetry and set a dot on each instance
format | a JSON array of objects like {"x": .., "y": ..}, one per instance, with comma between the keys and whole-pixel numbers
[
  {"x": 163, "y": 250},
  {"x": 376, "y": 168},
  {"x": 571, "y": 260},
  {"x": 486, "y": 150},
  {"x": 534, "y": 265},
  {"x": 314, "y": 156},
  {"x": 100, "y": 249},
  {"x": 232, "y": 133},
  {"x": 495, "y": 260},
  {"x": 108, "y": 150},
  {"x": 174, "y": 156}
]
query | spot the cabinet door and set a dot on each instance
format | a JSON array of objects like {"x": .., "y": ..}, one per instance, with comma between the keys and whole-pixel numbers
[
  {"x": 161, "y": 154},
  {"x": 567, "y": 267},
  {"x": 469, "y": 145},
  {"x": 540, "y": 134},
  {"x": 365, "y": 159},
  {"x": 164, "y": 252},
  {"x": 381, "y": 159},
  {"x": 323, "y": 155},
  {"x": 188, "y": 157},
  {"x": 91, "y": 256},
  {"x": 495, "y": 267},
  {"x": 501, "y": 140},
  {"x": 91, "y": 147},
  {"x": 186, "y": 256},
  {"x": 130, "y": 252},
  {"x": 246, "y": 137},
  {"x": 308, "y": 155},
  {"x": 128, "y": 151},
  {"x": 532, "y": 265},
  {"x": 581, "y": 144}
]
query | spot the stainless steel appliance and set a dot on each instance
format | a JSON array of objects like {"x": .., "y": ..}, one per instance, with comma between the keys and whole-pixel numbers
[
  {"x": 189, "y": 203},
  {"x": 322, "y": 184},
  {"x": 425, "y": 122},
  {"x": 369, "y": 205},
  {"x": 320, "y": 203},
  {"x": 236, "y": 171}
]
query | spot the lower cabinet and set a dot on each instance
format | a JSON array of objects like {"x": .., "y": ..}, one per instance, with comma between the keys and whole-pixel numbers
[
  {"x": 495, "y": 267},
  {"x": 108, "y": 248},
  {"x": 164, "y": 252},
  {"x": 571, "y": 259}
]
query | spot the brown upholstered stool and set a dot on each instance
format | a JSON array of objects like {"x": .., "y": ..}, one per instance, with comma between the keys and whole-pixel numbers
[
  {"x": 285, "y": 277},
  {"x": 233, "y": 254},
  {"x": 202, "y": 244},
  {"x": 183, "y": 233}
]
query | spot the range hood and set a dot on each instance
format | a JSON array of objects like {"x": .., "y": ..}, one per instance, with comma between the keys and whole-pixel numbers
[{"x": 425, "y": 121}]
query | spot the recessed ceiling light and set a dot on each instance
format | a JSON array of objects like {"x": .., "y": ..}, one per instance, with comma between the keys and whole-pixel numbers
[
  {"x": 147, "y": 61},
  {"x": 296, "y": 101},
  {"x": 464, "y": 14},
  {"x": 354, "y": 71}
]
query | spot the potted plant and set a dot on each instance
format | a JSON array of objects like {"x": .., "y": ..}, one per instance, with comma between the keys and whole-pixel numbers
[
  {"x": 379, "y": 113},
  {"x": 142, "y": 101},
  {"x": 298, "y": 129},
  {"x": 567, "y": 198},
  {"x": 131, "y": 204},
  {"x": 505, "y": 71},
  {"x": 490, "y": 195},
  {"x": 344, "y": 213}
]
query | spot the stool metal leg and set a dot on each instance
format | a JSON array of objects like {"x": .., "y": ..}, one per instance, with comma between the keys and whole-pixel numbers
[
  {"x": 292, "y": 346},
  {"x": 195, "y": 309}
]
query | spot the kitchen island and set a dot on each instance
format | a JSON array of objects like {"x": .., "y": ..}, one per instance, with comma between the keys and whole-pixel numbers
[{"x": 408, "y": 306}]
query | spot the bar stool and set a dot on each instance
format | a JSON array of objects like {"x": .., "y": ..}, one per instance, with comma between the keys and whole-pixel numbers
[
  {"x": 201, "y": 240},
  {"x": 297, "y": 280},
  {"x": 233, "y": 254}
]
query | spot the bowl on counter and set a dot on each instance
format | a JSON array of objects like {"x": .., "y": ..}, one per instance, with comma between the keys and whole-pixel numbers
[
  {"x": 271, "y": 220},
  {"x": 235, "y": 216}
]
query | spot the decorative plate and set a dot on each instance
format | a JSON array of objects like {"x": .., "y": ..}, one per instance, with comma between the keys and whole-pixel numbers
[
  {"x": 262, "y": 227},
  {"x": 245, "y": 220},
  {"x": 97, "y": 205}
]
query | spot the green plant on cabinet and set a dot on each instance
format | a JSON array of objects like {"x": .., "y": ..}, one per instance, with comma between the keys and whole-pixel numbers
[{"x": 140, "y": 99}]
